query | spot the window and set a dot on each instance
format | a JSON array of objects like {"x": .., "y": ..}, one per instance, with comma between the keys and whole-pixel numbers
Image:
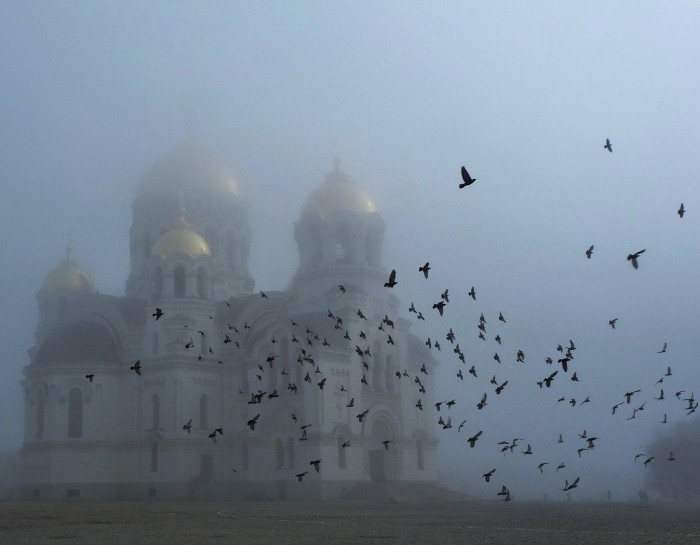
[
  {"x": 179, "y": 279},
  {"x": 204, "y": 411},
  {"x": 154, "y": 457},
  {"x": 279, "y": 454},
  {"x": 202, "y": 283},
  {"x": 75, "y": 413},
  {"x": 40, "y": 408},
  {"x": 156, "y": 412}
]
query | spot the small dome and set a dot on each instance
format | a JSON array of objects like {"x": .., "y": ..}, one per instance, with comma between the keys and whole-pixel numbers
[
  {"x": 188, "y": 168},
  {"x": 338, "y": 192},
  {"x": 67, "y": 277},
  {"x": 181, "y": 238}
]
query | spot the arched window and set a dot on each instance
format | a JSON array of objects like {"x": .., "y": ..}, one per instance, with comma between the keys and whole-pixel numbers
[
  {"x": 342, "y": 453},
  {"x": 202, "y": 283},
  {"x": 290, "y": 452},
  {"x": 179, "y": 279},
  {"x": 157, "y": 283},
  {"x": 420, "y": 463},
  {"x": 279, "y": 454},
  {"x": 75, "y": 412},
  {"x": 372, "y": 244},
  {"x": 146, "y": 245},
  {"x": 229, "y": 248},
  {"x": 343, "y": 244},
  {"x": 154, "y": 457},
  {"x": 204, "y": 411},
  {"x": 244, "y": 456},
  {"x": 156, "y": 412},
  {"x": 40, "y": 408}
]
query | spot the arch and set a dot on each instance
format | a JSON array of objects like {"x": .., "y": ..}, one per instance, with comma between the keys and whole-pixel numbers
[
  {"x": 204, "y": 411},
  {"x": 202, "y": 283},
  {"x": 75, "y": 413},
  {"x": 179, "y": 281}
]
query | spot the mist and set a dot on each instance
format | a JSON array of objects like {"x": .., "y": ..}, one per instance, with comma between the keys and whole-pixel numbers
[{"x": 404, "y": 94}]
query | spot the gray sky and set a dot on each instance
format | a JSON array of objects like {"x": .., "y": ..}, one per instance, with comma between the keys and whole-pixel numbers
[{"x": 523, "y": 94}]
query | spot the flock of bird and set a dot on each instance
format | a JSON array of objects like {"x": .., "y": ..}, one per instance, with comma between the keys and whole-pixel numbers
[{"x": 564, "y": 364}]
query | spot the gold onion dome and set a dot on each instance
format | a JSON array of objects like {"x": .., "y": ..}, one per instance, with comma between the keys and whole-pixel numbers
[
  {"x": 67, "y": 277},
  {"x": 188, "y": 168},
  {"x": 336, "y": 193},
  {"x": 181, "y": 238}
]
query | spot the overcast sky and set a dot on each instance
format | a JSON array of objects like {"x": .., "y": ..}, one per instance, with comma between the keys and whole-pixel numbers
[{"x": 405, "y": 93}]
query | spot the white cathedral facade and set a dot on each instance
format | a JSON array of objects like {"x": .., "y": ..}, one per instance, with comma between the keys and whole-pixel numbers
[{"x": 316, "y": 355}]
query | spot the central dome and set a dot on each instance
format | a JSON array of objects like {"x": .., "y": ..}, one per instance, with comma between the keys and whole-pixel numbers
[
  {"x": 338, "y": 192},
  {"x": 67, "y": 277},
  {"x": 181, "y": 238},
  {"x": 188, "y": 168}
]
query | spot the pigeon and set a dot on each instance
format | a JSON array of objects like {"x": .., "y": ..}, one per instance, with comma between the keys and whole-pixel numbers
[
  {"x": 316, "y": 464},
  {"x": 362, "y": 415},
  {"x": 472, "y": 293},
  {"x": 341, "y": 288},
  {"x": 157, "y": 314},
  {"x": 663, "y": 350},
  {"x": 487, "y": 476},
  {"x": 424, "y": 269},
  {"x": 392, "y": 280},
  {"x": 472, "y": 440},
  {"x": 608, "y": 145},
  {"x": 251, "y": 423},
  {"x": 589, "y": 252},
  {"x": 90, "y": 377},
  {"x": 300, "y": 476},
  {"x": 633, "y": 258},
  {"x": 681, "y": 210},
  {"x": 612, "y": 322},
  {"x": 440, "y": 306},
  {"x": 188, "y": 426},
  {"x": 137, "y": 367},
  {"x": 466, "y": 179}
]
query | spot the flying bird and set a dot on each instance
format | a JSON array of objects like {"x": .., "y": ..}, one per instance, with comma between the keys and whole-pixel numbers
[
  {"x": 392, "y": 279},
  {"x": 613, "y": 322},
  {"x": 251, "y": 423},
  {"x": 663, "y": 350},
  {"x": 472, "y": 440},
  {"x": 157, "y": 314},
  {"x": 90, "y": 377},
  {"x": 137, "y": 367},
  {"x": 472, "y": 293},
  {"x": 188, "y": 426},
  {"x": 589, "y": 252},
  {"x": 316, "y": 464},
  {"x": 608, "y": 145},
  {"x": 424, "y": 269},
  {"x": 681, "y": 210},
  {"x": 633, "y": 258},
  {"x": 466, "y": 179},
  {"x": 487, "y": 476}
]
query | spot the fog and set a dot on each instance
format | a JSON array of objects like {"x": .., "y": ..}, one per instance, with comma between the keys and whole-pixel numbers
[{"x": 523, "y": 94}]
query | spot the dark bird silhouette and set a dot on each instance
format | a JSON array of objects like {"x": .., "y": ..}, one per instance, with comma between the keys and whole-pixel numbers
[
  {"x": 649, "y": 460},
  {"x": 157, "y": 314},
  {"x": 549, "y": 379},
  {"x": 212, "y": 436},
  {"x": 633, "y": 258},
  {"x": 628, "y": 395},
  {"x": 681, "y": 210},
  {"x": 362, "y": 415},
  {"x": 90, "y": 377},
  {"x": 472, "y": 293},
  {"x": 137, "y": 367},
  {"x": 589, "y": 252},
  {"x": 300, "y": 476},
  {"x": 440, "y": 306},
  {"x": 496, "y": 357},
  {"x": 540, "y": 466},
  {"x": 466, "y": 179},
  {"x": 251, "y": 423},
  {"x": 612, "y": 322},
  {"x": 392, "y": 279},
  {"x": 482, "y": 403},
  {"x": 341, "y": 288},
  {"x": 263, "y": 294},
  {"x": 188, "y": 426},
  {"x": 501, "y": 318},
  {"x": 608, "y": 145},
  {"x": 663, "y": 350},
  {"x": 425, "y": 268},
  {"x": 316, "y": 464},
  {"x": 472, "y": 440},
  {"x": 487, "y": 476},
  {"x": 386, "y": 444},
  {"x": 568, "y": 486}
]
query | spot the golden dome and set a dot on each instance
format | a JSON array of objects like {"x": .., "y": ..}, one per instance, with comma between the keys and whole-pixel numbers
[
  {"x": 68, "y": 277},
  {"x": 338, "y": 192},
  {"x": 188, "y": 168},
  {"x": 181, "y": 238}
]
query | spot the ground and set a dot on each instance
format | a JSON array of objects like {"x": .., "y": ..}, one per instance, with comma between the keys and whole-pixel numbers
[{"x": 440, "y": 523}]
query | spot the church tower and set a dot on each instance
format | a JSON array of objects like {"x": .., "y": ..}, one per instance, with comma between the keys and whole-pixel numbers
[{"x": 215, "y": 212}]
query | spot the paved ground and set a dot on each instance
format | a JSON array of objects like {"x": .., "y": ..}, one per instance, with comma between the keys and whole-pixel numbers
[{"x": 439, "y": 523}]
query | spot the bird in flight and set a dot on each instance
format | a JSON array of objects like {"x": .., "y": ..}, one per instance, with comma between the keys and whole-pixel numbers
[
  {"x": 341, "y": 288},
  {"x": 663, "y": 350},
  {"x": 316, "y": 464},
  {"x": 466, "y": 179},
  {"x": 633, "y": 258},
  {"x": 300, "y": 476},
  {"x": 487, "y": 476},
  {"x": 425, "y": 268},
  {"x": 612, "y": 322},
  {"x": 188, "y": 426},
  {"x": 472, "y": 293},
  {"x": 157, "y": 314},
  {"x": 137, "y": 367},
  {"x": 90, "y": 377},
  {"x": 608, "y": 145},
  {"x": 589, "y": 252},
  {"x": 251, "y": 423},
  {"x": 681, "y": 210},
  {"x": 392, "y": 279},
  {"x": 472, "y": 440}
]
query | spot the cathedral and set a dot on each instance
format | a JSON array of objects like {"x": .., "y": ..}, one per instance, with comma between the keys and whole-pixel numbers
[{"x": 196, "y": 385}]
